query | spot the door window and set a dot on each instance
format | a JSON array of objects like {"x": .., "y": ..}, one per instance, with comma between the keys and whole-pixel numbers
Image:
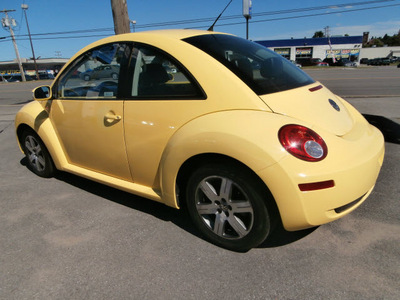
[
  {"x": 96, "y": 74},
  {"x": 159, "y": 76}
]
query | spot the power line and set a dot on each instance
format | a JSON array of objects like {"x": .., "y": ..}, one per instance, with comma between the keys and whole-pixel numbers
[
  {"x": 39, "y": 36},
  {"x": 309, "y": 15},
  {"x": 254, "y": 15}
]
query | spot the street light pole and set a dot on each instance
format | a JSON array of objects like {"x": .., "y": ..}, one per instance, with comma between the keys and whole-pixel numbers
[
  {"x": 24, "y": 8},
  {"x": 133, "y": 22},
  {"x": 247, "y": 8},
  {"x": 247, "y": 28}
]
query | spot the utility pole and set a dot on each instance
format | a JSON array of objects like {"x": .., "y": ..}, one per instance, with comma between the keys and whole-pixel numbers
[
  {"x": 24, "y": 8},
  {"x": 9, "y": 23},
  {"x": 120, "y": 16},
  {"x": 328, "y": 35}
]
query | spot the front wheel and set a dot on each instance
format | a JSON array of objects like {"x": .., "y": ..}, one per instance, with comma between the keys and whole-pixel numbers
[
  {"x": 39, "y": 159},
  {"x": 228, "y": 206},
  {"x": 114, "y": 76}
]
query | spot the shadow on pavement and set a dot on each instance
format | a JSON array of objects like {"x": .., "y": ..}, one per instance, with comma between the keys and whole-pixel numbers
[
  {"x": 180, "y": 218},
  {"x": 24, "y": 102},
  {"x": 158, "y": 210},
  {"x": 281, "y": 237},
  {"x": 389, "y": 128}
]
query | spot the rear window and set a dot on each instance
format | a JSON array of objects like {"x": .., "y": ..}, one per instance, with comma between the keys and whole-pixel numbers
[{"x": 263, "y": 70}]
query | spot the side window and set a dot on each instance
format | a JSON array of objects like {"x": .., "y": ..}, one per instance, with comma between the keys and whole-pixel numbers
[
  {"x": 159, "y": 76},
  {"x": 95, "y": 75}
]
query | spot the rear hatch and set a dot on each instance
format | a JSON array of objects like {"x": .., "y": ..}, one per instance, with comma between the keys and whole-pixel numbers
[{"x": 314, "y": 104}]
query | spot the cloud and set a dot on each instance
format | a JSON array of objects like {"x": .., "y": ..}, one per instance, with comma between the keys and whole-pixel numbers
[
  {"x": 378, "y": 29},
  {"x": 374, "y": 29}
]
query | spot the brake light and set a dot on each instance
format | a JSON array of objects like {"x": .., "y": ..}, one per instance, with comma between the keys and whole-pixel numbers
[{"x": 303, "y": 143}]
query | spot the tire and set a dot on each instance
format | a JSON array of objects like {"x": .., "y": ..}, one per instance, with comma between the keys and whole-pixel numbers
[
  {"x": 227, "y": 205},
  {"x": 39, "y": 159},
  {"x": 86, "y": 77},
  {"x": 114, "y": 76}
]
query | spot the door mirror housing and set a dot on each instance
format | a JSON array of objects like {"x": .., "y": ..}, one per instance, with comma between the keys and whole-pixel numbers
[{"x": 42, "y": 93}]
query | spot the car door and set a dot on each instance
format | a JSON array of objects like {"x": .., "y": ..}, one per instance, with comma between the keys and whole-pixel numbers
[
  {"x": 161, "y": 97},
  {"x": 88, "y": 114}
]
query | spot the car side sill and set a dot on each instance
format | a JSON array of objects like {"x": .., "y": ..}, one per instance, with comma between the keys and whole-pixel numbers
[{"x": 124, "y": 185}]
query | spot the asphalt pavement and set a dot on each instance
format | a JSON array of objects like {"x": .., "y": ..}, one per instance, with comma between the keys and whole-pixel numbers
[{"x": 70, "y": 238}]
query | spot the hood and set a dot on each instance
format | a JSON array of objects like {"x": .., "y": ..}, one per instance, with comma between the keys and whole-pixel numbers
[{"x": 314, "y": 104}]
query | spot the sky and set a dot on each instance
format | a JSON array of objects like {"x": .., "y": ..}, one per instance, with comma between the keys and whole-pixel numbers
[{"x": 61, "y": 28}]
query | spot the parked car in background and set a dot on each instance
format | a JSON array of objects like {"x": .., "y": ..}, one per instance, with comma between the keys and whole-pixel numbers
[
  {"x": 18, "y": 78},
  {"x": 317, "y": 62},
  {"x": 364, "y": 61},
  {"x": 103, "y": 71},
  {"x": 343, "y": 62},
  {"x": 382, "y": 61},
  {"x": 46, "y": 76},
  {"x": 295, "y": 63}
]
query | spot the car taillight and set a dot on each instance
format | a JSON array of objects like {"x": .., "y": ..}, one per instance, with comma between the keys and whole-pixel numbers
[{"x": 303, "y": 143}]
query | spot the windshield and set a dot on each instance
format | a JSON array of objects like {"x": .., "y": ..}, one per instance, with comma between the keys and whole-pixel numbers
[{"x": 263, "y": 70}]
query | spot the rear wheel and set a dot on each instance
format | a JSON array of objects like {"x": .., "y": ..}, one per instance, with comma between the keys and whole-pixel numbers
[
  {"x": 39, "y": 159},
  {"x": 228, "y": 206}
]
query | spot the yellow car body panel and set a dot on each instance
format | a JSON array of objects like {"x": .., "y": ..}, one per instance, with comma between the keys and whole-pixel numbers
[
  {"x": 353, "y": 170},
  {"x": 84, "y": 126},
  {"x": 140, "y": 146},
  {"x": 323, "y": 116}
]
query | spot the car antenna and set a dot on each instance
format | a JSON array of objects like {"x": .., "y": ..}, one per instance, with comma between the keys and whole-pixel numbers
[{"x": 212, "y": 26}]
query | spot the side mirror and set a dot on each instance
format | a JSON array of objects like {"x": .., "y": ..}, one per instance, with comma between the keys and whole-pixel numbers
[{"x": 42, "y": 93}]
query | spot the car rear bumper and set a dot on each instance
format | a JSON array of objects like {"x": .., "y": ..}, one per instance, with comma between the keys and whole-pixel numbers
[{"x": 354, "y": 177}]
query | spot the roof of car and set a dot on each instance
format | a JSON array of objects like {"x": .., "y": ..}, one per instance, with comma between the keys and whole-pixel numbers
[
  {"x": 177, "y": 34},
  {"x": 148, "y": 36}
]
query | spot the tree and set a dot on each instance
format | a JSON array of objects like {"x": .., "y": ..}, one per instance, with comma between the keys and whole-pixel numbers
[
  {"x": 318, "y": 34},
  {"x": 385, "y": 40}
]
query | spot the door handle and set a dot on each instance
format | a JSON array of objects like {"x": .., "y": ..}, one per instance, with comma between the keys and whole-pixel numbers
[{"x": 111, "y": 117}]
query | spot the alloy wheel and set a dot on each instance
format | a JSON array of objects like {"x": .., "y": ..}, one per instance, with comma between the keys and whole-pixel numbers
[
  {"x": 224, "y": 207},
  {"x": 35, "y": 154}
]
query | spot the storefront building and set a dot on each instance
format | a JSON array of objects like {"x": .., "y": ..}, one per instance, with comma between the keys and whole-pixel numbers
[
  {"x": 340, "y": 47},
  {"x": 45, "y": 65}
]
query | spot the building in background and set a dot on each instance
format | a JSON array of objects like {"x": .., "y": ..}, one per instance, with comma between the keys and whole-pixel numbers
[
  {"x": 297, "y": 49},
  {"x": 45, "y": 66}
]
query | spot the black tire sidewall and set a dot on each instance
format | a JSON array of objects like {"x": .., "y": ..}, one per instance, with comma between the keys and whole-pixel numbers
[
  {"x": 247, "y": 182},
  {"x": 49, "y": 168}
]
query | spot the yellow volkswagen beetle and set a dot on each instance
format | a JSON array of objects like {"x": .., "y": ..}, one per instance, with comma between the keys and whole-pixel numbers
[{"x": 209, "y": 121}]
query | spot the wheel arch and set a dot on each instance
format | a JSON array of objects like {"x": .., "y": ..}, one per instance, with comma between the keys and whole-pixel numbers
[
  {"x": 196, "y": 161},
  {"x": 33, "y": 117},
  {"x": 227, "y": 135},
  {"x": 20, "y": 131}
]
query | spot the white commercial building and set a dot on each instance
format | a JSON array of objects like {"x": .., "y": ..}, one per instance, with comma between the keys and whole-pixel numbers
[{"x": 342, "y": 47}]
